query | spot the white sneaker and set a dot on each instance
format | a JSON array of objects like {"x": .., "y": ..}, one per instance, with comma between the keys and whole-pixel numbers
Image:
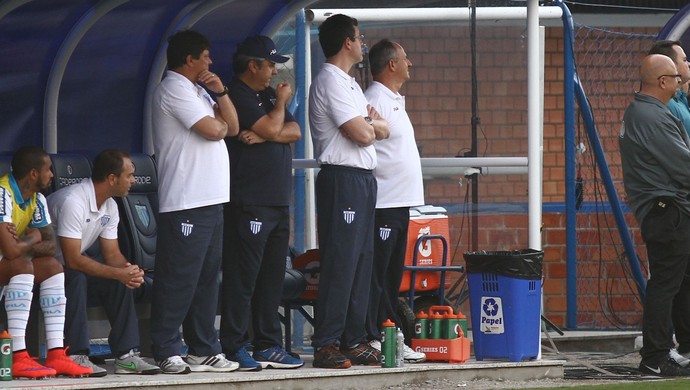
[
  {"x": 84, "y": 361},
  {"x": 174, "y": 365},
  {"x": 376, "y": 344},
  {"x": 217, "y": 363},
  {"x": 412, "y": 356},
  {"x": 678, "y": 358}
]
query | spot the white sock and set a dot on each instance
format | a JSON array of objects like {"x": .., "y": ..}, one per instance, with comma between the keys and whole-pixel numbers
[
  {"x": 18, "y": 305},
  {"x": 53, "y": 305},
  {"x": 128, "y": 354}
]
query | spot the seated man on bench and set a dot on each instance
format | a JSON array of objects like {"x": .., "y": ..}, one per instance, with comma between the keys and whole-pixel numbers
[
  {"x": 84, "y": 213},
  {"x": 27, "y": 247}
]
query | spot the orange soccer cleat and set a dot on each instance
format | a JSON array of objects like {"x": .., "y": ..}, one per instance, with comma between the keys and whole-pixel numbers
[
  {"x": 63, "y": 365},
  {"x": 24, "y": 366}
]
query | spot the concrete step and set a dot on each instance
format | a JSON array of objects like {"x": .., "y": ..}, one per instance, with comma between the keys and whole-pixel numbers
[
  {"x": 309, "y": 378},
  {"x": 619, "y": 342},
  {"x": 585, "y": 343}
]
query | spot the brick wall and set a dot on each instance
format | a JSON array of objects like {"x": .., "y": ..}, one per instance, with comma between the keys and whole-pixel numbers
[{"x": 438, "y": 100}]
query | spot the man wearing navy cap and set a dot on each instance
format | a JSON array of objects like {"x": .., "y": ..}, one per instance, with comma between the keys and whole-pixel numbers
[{"x": 257, "y": 219}]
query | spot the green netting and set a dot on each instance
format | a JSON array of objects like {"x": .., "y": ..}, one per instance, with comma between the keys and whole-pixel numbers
[{"x": 607, "y": 64}]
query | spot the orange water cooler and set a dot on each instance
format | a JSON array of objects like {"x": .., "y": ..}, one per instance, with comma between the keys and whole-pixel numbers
[{"x": 425, "y": 220}]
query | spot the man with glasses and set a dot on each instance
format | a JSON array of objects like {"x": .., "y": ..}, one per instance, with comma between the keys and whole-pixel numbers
[
  {"x": 257, "y": 220},
  {"x": 343, "y": 129},
  {"x": 679, "y": 103},
  {"x": 655, "y": 156}
]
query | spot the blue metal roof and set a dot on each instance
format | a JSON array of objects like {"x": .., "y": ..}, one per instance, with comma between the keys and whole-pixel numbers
[{"x": 95, "y": 59}]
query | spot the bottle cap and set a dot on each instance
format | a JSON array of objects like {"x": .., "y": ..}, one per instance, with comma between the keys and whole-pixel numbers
[
  {"x": 5, "y": 335},
  {"x": 436, "y": 316},
  {"x": 388, "y": 323},
  {"x": 422, "y": 314}
]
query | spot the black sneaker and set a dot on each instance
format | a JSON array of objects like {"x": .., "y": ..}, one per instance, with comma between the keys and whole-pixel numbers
[
  {"x": 330, "y": 357},
  {"x": 664, "y": 367},
  {"x": 363, "y": 354}
]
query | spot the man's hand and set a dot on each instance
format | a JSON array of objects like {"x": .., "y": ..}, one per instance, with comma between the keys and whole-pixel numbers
[
  {"x": 13, "y": 230},
  {"x": 283, "y": 93},
  {"x": 380, "y": 125},
  {"x": 132, "y": 276},
  {"x": 250, "y": 138},
  {"x": 211, "y": 81},
  {"x": 31, "y": 236},
  {"x": 373, "y": 114}
]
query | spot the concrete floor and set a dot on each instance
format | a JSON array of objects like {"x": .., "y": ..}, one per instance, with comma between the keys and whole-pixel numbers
[{"x": 307, "y": 377}]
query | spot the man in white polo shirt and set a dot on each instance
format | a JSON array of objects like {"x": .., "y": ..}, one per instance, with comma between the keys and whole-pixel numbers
[
  {"x": 194, "y": 182},
  {"x": 399, "y": 177},
  {"x": 343, "y": 129},
  {"x": 85, "y": 213}
]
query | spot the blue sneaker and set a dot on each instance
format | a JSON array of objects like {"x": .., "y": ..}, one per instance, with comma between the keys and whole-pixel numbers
[
  {"x": 247, "y": 363},
  {"x": 276, "y": 357}
]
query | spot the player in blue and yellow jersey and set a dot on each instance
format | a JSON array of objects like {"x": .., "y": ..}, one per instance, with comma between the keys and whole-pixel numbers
[{"x": 27, "y": 249}]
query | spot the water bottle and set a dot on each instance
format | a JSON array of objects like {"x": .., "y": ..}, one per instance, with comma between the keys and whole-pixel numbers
[
  {"x": 400, "y": 344},
  {"x": 421, "y": 326},
  {"x": 462, "y": 319},
  {"x": 5, "y": 356},
  {"x": 436, "y": 325},
  {"x": 451, "y": 329},
  {"x": 388, "y": 345}
]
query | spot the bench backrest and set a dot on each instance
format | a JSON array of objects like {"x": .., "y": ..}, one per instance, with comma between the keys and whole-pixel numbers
[{"x": 139, "y": 214}]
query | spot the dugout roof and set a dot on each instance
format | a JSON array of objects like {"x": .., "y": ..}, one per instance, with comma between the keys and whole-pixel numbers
[
  {"x": 83, "y": 66},
  {"x": 96, "y": 57}
]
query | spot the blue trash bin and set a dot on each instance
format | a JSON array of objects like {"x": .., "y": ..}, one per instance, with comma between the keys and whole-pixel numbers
[{"x": 505, "y": 302}]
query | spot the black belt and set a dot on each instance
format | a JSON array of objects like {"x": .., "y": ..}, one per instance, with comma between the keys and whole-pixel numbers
[{"x": 346, "y": 168}]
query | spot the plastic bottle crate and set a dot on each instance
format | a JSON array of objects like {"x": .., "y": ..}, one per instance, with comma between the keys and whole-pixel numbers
[{"x": 455, "y": 350}]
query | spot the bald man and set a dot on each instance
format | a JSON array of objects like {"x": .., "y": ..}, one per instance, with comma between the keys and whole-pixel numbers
[
  {"x": 679, "y": 102},
  {"x": 655, "y": 154}
]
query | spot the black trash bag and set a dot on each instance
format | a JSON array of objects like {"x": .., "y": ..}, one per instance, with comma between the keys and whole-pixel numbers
[{"x": 519, "y": 264}]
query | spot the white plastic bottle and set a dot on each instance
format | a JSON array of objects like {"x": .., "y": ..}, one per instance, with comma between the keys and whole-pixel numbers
[{"x": 400, "y": 354}]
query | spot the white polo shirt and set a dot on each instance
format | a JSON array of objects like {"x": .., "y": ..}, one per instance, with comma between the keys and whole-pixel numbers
[
  {"x": 335, "y": 98},
  {"x": 399, "y": 170},
  {"x": 192, "y": 171},
  {"x": 76, "y": 215}
]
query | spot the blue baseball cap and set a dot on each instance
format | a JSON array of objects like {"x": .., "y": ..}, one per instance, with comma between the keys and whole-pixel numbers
[{"x": 260, "y": 46}]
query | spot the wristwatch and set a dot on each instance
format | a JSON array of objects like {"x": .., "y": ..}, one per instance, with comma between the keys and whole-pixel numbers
[
  {"x": 219, "y": 94},
  {"x": 370, "y": 121}
]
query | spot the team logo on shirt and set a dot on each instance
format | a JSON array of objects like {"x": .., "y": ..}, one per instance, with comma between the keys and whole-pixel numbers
[
  {"x": 69, "y": 169},
  {"x": 186, "y": 228},
  {"x": 37, "y": 216},
  {"x": 395, "y": 108},
  {"x": 3, "y": 205},
  {"x": 349, "y": 216},
  {"x": 255, "y": 226},
  {"x": 105, "y": 219},
  {"x": 384, "y": 233}
]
